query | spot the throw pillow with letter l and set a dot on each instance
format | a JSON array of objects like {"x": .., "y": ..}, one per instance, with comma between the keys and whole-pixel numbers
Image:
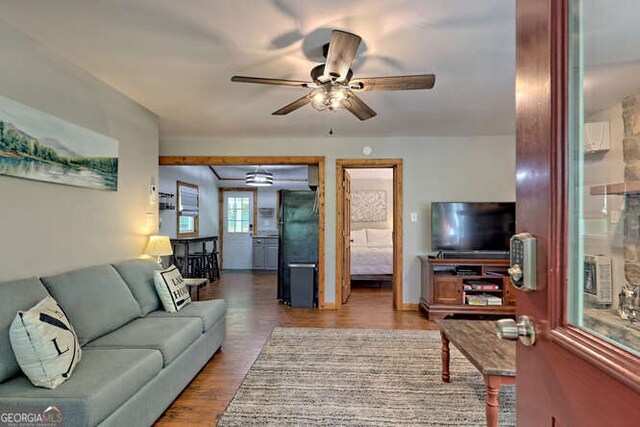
[
  {"x": 171, "y": 289},
  {"x": 45, "y": 344}
]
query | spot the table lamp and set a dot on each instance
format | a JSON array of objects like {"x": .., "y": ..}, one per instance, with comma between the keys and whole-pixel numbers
[{"x": 159, "y": 246}]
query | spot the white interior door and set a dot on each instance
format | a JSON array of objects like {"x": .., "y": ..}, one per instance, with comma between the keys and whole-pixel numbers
[{"x": 237, "y": 222}]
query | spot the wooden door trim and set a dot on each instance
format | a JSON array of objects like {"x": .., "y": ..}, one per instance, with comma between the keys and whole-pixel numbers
[
  {"x": 396, "y": 165},
  {"x": 221, "y": 191},
  {"x": 550, "y": 104},
  {"x": 272, "y": 160},
  {"x": 239, "y": 160}
]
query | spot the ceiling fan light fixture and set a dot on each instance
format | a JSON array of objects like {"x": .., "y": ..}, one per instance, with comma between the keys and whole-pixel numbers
[
  {"x": 331, "y": 84},
  {"x": 330, "y": 97},
  {"x": 259, "y": 178}
]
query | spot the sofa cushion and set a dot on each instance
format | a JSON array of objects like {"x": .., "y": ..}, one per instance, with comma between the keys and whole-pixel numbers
[
  {"x": 96, "y": 300},
  {"x": 138, "y": 275},
  {"x": 15, "y": 295},
  {"x": 45, "y": 344},
  {"x": 171, "y": 289},
  {"x": 209, "y": 312},
  {"x": 103, "y": 381},
  {"x": 170, "y": 336}
]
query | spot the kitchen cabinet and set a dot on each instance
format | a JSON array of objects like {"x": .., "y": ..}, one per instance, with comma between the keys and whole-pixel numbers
[{"x": 265, "y": 253}]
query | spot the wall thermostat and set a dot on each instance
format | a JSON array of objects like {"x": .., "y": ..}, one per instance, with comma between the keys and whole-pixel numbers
[{"x": 367, "y": 150}]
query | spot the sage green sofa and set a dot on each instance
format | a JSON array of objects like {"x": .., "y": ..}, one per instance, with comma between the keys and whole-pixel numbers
[{"x": 136, "y": 358}]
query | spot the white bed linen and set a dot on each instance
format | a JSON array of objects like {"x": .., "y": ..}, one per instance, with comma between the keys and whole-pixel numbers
[{"x": 368, "y": 260}]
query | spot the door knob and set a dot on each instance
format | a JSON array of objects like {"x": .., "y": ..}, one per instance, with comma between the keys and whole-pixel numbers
[
  {"x": 515, "y": 272},
  {"x": 524, "y": 330}
]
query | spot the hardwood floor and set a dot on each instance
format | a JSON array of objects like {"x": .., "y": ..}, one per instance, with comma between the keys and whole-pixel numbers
[{"x": 253, "y": 312}]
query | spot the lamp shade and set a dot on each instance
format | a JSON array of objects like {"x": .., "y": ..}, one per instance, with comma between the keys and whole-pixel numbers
[{"x": 159, "y": 246}]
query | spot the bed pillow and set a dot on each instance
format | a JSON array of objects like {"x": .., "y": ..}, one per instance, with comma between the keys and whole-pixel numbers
[
  {"x": 45, "y": 344},
  {"x": 358, "y": 238},
  {"x": 379, "y": 238},
  {"x": 171, "y": 289}
]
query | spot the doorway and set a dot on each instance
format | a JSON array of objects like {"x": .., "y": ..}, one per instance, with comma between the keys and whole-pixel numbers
[
  {"x": 237, "y": 215},
  {"x": 318, "y": 161},
  {"x": 352, "y": 226}
]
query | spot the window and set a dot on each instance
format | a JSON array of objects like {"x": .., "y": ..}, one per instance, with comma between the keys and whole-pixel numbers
[
  {"x": 238, "y": 214},
  {"x": 604, "y": 213},
  {"x": 188, "y": 209}
]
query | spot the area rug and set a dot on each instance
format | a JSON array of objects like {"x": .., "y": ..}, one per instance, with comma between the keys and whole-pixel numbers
[{"x": 360, "y": 377}]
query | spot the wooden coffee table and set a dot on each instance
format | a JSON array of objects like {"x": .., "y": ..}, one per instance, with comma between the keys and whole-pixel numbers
[{"x": 493, "y": 357}]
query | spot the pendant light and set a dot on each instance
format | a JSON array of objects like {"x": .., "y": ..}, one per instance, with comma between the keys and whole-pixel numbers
[{"x": 259, "y": 178}]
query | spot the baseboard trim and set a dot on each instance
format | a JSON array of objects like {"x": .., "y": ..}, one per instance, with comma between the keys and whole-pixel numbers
[{"x": 410, "y": 307}]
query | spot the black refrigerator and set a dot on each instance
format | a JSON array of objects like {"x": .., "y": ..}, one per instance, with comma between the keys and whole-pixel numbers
[{"x": 298, "y": 235}]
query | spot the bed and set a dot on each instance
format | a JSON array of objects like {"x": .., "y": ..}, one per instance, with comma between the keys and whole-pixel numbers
[{"x": 371, "y": 254}]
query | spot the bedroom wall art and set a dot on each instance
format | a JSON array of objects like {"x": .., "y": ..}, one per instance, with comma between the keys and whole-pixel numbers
[
  {"x": 38, "y": 146},
  {"x": 369, "y": 206}
]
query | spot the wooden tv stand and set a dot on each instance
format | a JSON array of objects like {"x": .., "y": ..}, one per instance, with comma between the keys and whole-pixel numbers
[{"x": 446, "y": 284}]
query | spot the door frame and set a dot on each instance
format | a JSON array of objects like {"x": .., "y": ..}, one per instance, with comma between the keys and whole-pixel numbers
[
  {"x": 396, "y": 165},
  {"x": 221, "y": 191},
  {"x": 273, "y": 160}
]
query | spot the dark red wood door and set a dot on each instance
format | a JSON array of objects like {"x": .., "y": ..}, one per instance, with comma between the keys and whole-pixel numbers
[{"x": 571, "y": 376}]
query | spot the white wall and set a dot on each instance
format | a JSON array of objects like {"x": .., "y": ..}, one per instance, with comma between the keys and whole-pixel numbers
[
  {"x": 48, "y": 228},
  {"x": 267, "y": 198},
  {"x": 601, "y": 235},
  {"x": 367, "y": 184},
  {"x": 208, "y": 187},
  {"x": 435, "y": 169}
]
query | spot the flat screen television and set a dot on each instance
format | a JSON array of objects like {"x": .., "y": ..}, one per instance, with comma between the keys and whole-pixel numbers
[{"x": 472, "y": 226}]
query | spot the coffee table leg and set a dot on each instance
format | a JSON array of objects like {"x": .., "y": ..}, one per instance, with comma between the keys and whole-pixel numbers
[
  {"x": 492, "y": 383},
  {"x": 445, "y": 358}
]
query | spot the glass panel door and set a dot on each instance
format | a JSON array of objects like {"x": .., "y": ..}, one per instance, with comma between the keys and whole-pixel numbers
[{"x": 604, "y": 170}]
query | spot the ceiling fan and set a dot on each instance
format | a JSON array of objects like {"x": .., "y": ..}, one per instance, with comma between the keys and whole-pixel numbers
[{"x": 332, "y": 86}]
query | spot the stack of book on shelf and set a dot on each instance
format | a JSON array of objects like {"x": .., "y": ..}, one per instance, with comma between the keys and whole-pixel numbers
[
  {"x": 480, "y": 286},
  {"x": 483, "y": 299}
]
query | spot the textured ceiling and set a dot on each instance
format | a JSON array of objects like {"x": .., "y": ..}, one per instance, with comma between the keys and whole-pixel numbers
[{"x": 176, "y": 58}]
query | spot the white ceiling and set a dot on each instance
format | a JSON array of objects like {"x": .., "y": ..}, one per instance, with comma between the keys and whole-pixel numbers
[
  {"x": 280, "y": 173},
  {"x": 176, "y": 59}
]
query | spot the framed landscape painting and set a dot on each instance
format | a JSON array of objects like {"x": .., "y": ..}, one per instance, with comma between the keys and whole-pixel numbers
[{"x": 36, "y": 145}]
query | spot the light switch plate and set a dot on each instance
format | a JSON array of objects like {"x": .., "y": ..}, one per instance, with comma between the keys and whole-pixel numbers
[
  {"x": 414, "y": 216},
  {"x": 153, "y": 194}
]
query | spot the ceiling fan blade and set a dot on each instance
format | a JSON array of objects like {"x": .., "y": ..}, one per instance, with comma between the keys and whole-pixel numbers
[
  {"x": 358, "y": 108},
  {"x": 342, "y": 50},
  {"x": 277, "y": 82},
  {"x": 298, "y": 103},
  {"x": 421, "y": 81}
]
